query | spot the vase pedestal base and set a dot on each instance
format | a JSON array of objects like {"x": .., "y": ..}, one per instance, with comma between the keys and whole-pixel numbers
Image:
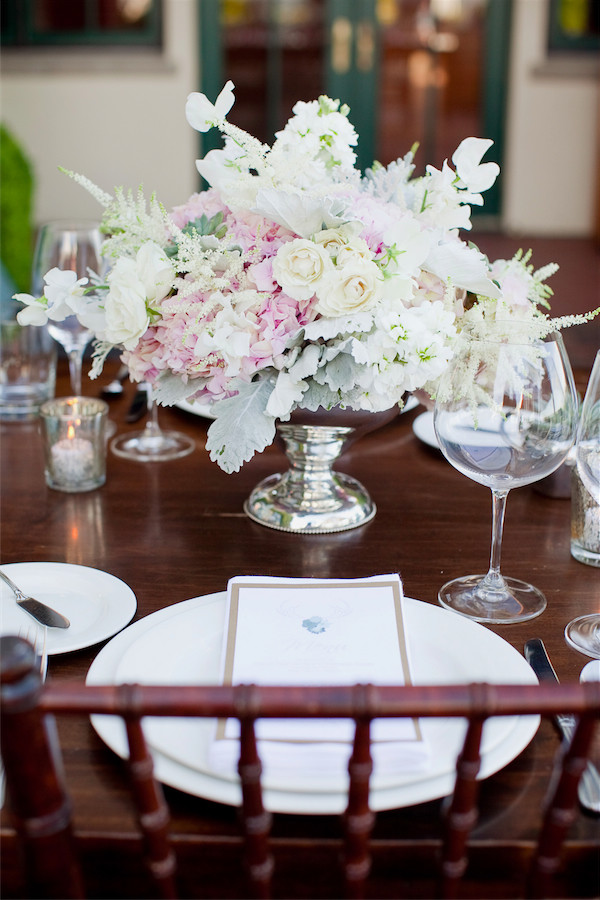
[
  {"x": 347, "y": 506},
  {"x": 311, "y": 498}
]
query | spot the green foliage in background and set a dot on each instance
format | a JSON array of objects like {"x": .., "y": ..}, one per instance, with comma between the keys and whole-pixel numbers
[{"x": 16, "y": 201}]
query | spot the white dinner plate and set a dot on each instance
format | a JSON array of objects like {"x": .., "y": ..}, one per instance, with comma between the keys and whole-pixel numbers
[
  {"x": 424, "y": 430},
  {"x": 204, "y": 409},
  {"x": 411, "y": 403},
  {"x": 96, "y": 603},
  {"x": 182, "y": 644}
]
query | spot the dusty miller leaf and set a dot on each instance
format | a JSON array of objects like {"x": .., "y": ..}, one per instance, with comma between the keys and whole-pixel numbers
[
  {"x": 339, "y": 373},
  {"x": 319, "y": 396},
  {"x": 242, "y": 427},
  {"x": 170, "y": 389}
]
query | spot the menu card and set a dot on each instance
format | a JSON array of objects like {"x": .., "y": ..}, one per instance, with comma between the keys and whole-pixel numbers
[{"x": 308, "y": 631}]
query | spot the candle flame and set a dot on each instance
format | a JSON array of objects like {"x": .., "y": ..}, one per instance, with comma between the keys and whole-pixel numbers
[{"x": 70, "y": 432}]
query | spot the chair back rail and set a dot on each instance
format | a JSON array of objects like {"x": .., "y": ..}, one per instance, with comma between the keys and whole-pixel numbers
[{"x": 40, "y": 800}]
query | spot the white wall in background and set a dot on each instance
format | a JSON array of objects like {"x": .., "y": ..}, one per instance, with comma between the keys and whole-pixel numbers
[
  {"x": 120, "y": 120},
  {"x": 551, "y": 157}
]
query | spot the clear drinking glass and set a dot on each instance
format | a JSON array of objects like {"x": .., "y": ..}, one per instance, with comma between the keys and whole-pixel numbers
[
  {"x": 505, "y": 416},
  {"x": 76, "y": 246},
  {"x": 583, "y": 633}
]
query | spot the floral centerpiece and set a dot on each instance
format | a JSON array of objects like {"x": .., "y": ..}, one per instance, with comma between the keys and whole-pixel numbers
[{"x": 294, "y": 281}]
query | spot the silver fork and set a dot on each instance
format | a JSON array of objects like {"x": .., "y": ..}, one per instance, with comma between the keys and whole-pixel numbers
[{"x": 37, "y": 636}]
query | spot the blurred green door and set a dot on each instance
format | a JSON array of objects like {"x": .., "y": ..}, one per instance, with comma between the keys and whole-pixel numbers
[{"x": 426, "y": 71}]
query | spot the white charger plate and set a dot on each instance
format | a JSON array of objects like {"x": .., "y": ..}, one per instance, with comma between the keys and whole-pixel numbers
[
  {"x": 96, "y": 603},
  {"x": 204, "y": 409},
  {"x": 182, "y": 644}
]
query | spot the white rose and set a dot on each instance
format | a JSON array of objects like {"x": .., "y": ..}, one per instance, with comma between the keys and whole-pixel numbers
[
  {"x": 349, "y": 290},
  {"x": 155, "y": 271},
  {"x": 332, "y": 240},
  {"x": 299, "y": 266},
  {"x": 354, "y": 254},
  {"x": 126, "y": 316}
]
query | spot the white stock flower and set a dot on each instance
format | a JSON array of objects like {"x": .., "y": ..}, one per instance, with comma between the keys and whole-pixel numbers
[
  {"x": 299, "y": 266},
  {"x": 326, "y": 134},
  {"x": 202, "y": 114},
  {"x": 406, "y": 348},
  {"x": 350, "y": 289}
]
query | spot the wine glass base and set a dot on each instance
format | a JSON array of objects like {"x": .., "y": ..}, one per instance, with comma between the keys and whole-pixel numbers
[
  {"x": 583, "y": 634},
  {"x": 152, "y": 447},
  {"x": 517, "y": 601}
]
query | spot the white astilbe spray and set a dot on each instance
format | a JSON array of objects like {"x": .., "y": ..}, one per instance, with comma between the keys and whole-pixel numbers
[
  {"x": 103, "y": 198},
  {"x": 130, "y": 222}
]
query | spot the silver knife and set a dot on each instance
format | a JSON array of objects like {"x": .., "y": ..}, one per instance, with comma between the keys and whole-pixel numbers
[
  {"x": 589, "y": 783},
  {"x": 44, "y": 614}
]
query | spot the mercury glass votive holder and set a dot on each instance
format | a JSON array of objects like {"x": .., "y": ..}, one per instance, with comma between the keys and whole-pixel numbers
[
  {"x": 74, "y": 435},
  {"x": 585, "y": 522}
]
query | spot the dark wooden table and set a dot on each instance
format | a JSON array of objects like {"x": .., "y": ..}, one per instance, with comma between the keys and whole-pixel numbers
[{"x": 177, "y": 530}]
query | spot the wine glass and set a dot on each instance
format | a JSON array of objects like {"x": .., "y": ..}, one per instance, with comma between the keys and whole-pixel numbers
[
  {"x": 505, "y": 416},
  {"x": 76, "y": 246},
  {"x": 583, "y": 633},
  {"x": 152, "y": 443}
]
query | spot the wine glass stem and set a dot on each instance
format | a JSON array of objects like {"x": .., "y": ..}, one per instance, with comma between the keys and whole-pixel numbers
[
  {"x": 152, "y": 428},
  {"x": 75, "y": 366},
  {"x": 494, "y": 579}
]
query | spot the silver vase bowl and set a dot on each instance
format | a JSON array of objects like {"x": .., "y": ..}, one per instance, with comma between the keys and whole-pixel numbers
[{"x": 312, "y": 498}]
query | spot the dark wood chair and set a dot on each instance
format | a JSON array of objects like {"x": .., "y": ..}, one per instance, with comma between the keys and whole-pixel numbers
[{"x": 41, "y": 808}]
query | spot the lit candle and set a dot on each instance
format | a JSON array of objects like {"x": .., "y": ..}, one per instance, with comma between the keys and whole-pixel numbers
[{"x": 73, "y": 458}]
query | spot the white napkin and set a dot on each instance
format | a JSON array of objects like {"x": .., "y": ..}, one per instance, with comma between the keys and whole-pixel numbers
[{"x": 317, "y": 631}]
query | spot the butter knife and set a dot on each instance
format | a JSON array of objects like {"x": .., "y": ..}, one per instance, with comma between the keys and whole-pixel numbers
[
  {"x": 589, "y": 783},
  {"x": 38, "y": 610}
]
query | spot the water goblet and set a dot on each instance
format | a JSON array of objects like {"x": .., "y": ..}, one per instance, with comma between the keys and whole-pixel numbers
[
  {"x": 75, "y": 246},
  {"x": 505, "y": 416},
  {"x": 583, "y": 633},
  {"x": 152, "y": 443}
]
